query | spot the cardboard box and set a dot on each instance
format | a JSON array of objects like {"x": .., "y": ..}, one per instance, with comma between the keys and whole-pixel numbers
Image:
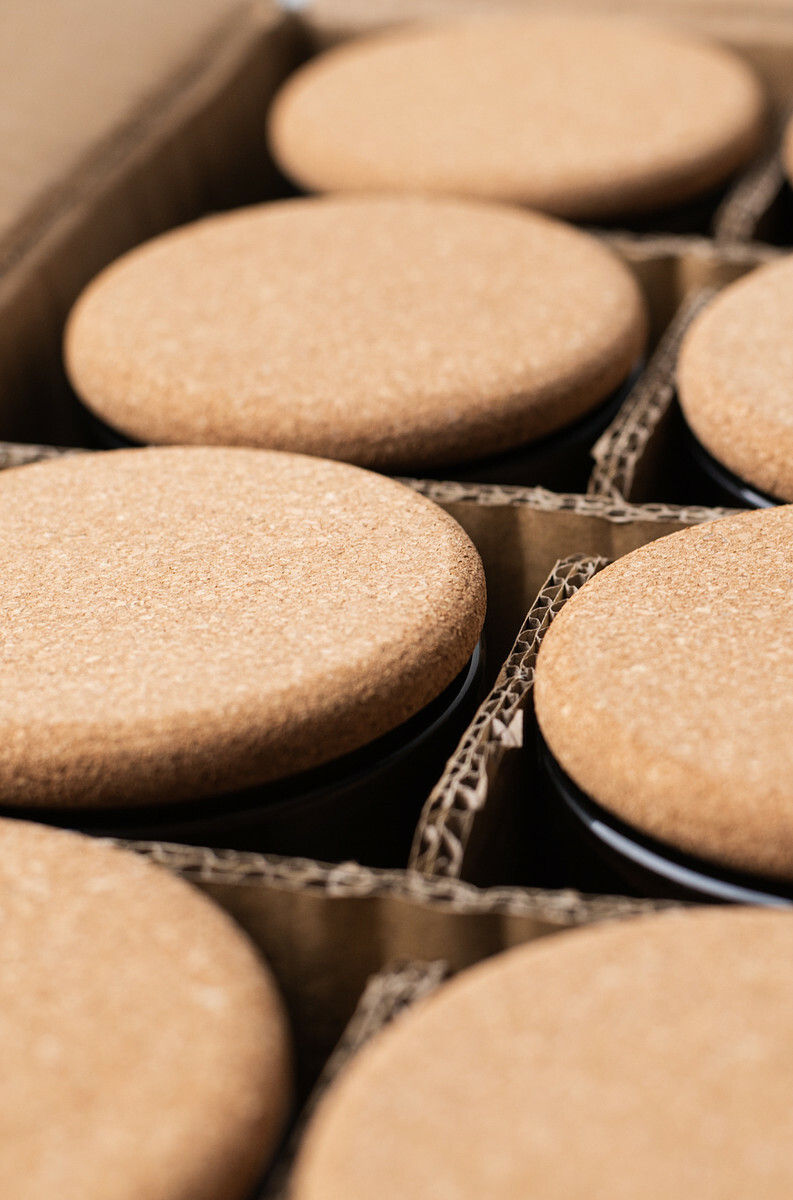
[{"x": 326, "y": 928}]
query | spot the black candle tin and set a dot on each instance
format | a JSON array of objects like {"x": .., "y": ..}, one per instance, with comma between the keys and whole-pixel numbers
[
  {"x": 362, "y": 806},
  {"x": 561, "y": 461},
  {"x": 717, "y": 484},
  {"x": 647, "y": 866}
]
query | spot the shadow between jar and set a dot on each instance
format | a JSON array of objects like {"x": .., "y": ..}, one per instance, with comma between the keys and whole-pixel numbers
[
  {"x": 650, "y": 867},
  {"x": 720, "y": 485},
  {"x": 362, "y": 806},
  {"x": 561, "y": 461}
]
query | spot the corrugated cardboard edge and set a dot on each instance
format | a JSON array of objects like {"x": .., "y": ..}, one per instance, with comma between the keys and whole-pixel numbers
[
  {"x": 619, "y": 450},
  {"x": 385, "y": 998},
  {"x": 447, "y": 818},
  {"x": 740, "y": 214}
]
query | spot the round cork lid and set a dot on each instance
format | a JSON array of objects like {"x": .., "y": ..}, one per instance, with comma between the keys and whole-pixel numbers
[
  {"x": 393, "y": 333},
  {"x": 585, "y": 117},
  {"x": 735, "y": 378},
  {"x": 144, "y": 1046},
  {"x": 665, "y": 690},
  {"x": 647, "y": 1058},
  {"x": 180, "y": 622}
]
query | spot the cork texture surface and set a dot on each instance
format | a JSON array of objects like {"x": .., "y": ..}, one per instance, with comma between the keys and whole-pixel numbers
[
  {"x": 735, "y": 378},
  {"x": 665, "y": 690},
  {"x": 396, "y": 333},
  {"x": 649, "y": 1057},
  {"x": 185, "y": 621},
  {"x": 588, "y": 117},
  {"x": 144, "y": 1046}
]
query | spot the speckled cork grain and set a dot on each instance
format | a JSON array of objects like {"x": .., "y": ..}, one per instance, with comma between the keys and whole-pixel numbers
[
  {"x": 184, "y": 621},
  {"x": 665, "y": 690},
  {"x": 144, "y": 1047},
  {"x": 394, "y": 333},
  {"x": 585, "y": 117},
  {"x": 735, "y": 378},
  {"x": 650, "y": 1058}
]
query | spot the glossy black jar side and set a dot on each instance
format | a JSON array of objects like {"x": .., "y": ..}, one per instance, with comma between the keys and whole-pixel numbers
[
  {"x": 561, "y": 461},
  {"x": 362, "y": 807},
  {"x": 645, "y": 866},
  {"x": 716, "y": 484}
]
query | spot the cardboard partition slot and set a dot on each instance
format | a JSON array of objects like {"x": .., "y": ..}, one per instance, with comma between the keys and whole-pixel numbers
[
  {"x": 521, "y": 532},
  {"x": 491, "y": 820},
  {"x": 385, "y": 997},
  {"x": 646, "y": 455},
  {"x": 760, "y": 206},
  {"x": 326, "y": 929}
]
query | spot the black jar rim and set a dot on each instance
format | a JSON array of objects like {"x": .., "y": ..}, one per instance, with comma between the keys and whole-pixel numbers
[
  {"x": 299, "y": 801},
  {"x": 519, "y": 466},
  {"x": 731, "y": 489},
  {"x": 523, "y": 463},
  {"x": 664, "y": 871}
]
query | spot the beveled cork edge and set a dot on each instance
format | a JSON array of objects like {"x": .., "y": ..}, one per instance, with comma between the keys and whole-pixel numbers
[
  {"x": 448, "y": 817},
  {"x": 386, "y": 996},
  {"x": 740, "y": 213},
  {"x": 619, "y": 450}
]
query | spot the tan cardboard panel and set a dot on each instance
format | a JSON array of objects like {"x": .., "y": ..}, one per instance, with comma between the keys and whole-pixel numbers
[
  {"x": 197, "y": 145},
  {"x": 72, "y": 72}
]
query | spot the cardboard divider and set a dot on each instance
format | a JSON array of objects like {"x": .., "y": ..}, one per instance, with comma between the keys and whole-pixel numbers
[
  {"x": 642, "y": 457},
  {"x": 634, "y": 455},
  {"x": 759, "y": 208},
  {"x": 385, "y": 997},
  {"x": 326, "y": 929},
  {"x": 468, "y": 826}
]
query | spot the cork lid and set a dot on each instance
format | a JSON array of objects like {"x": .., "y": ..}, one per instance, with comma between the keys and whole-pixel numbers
[
  {"x": 144, "y": 1046},
  {"x": 394, "y": 333},
  {"x": 180, "y": 622},
  {"x": 665, "y": 690},
  {"x": 735, "y": 378},
  {"x": 648, "y": 1058},
  {"x": 586, "y": 117}
]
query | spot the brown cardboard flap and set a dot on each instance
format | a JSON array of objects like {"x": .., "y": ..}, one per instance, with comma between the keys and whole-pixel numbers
[
  {"x": 385, "y": 997},
  {"x": 478, "y": 775},
  {"x": 196, "y": 145},
  {"x": 73, "y": 72}
]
